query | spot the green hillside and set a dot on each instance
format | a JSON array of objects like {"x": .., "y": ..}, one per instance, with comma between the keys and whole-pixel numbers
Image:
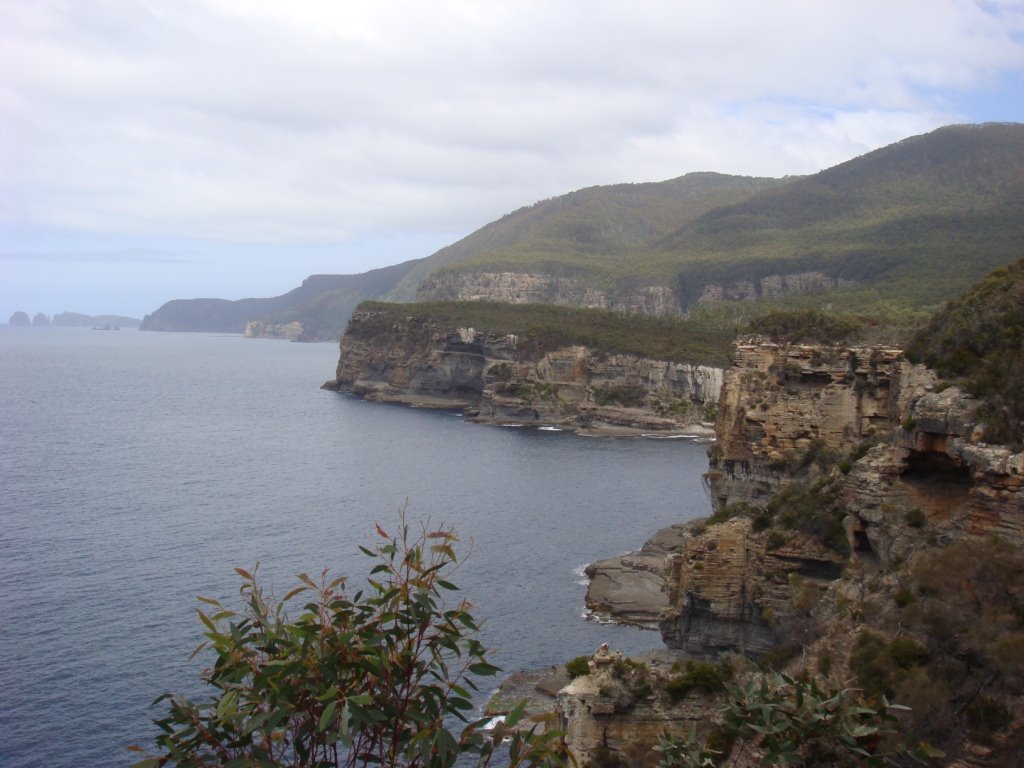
[
  {"x": 891, "y": 235},
  {"x": 903, "y": 227},
  {"x": 589, "y": 230}
]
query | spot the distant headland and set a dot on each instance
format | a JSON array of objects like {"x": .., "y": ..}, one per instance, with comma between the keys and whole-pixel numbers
[{"x": 73, "y": 319}]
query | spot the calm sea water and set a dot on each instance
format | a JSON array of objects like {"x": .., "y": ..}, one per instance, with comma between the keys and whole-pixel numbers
[{"x": 137, "y": 469}]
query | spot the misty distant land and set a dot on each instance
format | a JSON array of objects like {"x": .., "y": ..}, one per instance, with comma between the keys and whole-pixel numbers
[{"x": 73, "y": 320}]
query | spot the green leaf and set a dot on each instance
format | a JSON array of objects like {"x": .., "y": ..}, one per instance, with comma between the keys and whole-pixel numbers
[{"x": 328, "y": 716}]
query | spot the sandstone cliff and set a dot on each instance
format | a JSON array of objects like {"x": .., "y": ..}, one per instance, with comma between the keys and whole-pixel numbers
[
  {"x": 810, "y": 436},
  {"x": 654, "y": 298},
  {"x": 419, "y": 361},
  {"x": 533, "y": 288}
]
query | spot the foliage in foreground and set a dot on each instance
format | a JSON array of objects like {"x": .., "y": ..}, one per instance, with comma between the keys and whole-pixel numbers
[
  {"x": 379, "y": 677},
  {"x": 787, "y": 722}
]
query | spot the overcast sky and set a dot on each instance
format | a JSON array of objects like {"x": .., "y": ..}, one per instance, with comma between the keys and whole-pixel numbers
[{"x": 159, "y": 149}]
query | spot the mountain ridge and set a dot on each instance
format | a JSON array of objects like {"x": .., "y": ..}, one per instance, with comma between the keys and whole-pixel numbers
[{"x": 895, "y": 231}]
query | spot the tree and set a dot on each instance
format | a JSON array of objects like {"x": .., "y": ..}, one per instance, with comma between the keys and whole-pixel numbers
[{"x": 379, "y": 677}]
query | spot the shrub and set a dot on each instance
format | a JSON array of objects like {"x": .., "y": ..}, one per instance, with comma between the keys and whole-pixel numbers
[
  {"x": 793, "y": 723},
  {"x": 698, "y": 675},
  {"x": 578, "y": 667},
  {"x": 872, "y": 665},
  {"x": 804, "y": 326},
  {"x": 978, "y": 341},
  {"x": 815, "y": 509},
  {"x": 379, "y": 677},
  {"x": 778, "y": 657},
  {"x": 627, "y": 395},
  {"x": 915, "y": 518},
  {"x": 904, "y": 597},
  {"x": 907, "y": 652},
  {"x": 986, "y": 716}
]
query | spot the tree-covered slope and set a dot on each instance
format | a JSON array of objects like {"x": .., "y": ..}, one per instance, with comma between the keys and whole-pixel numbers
[
  {"x": 978, "y": 341},
  {"x": 904, "y": 227},
  {"x": 588, "y": 229}
]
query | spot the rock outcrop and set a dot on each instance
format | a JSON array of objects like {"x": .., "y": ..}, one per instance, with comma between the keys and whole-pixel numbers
[
  {"x": 731, "y": 588},
  {"x": 418, "y": 361},
  {"x": 532, "y": 288},
  {"x": 905, "y": 467},
  {"x": 649, "y": 299},
  {"x": 259, "y": 329},
  {"x": 620, "y": 709},
  {"x": 630, "y": 588},
  {"x": 780, "y": 401}
]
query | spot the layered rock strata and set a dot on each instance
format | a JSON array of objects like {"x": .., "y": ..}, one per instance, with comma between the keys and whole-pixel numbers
[
  {"x": 649, "y": 299},
  {"x": 730, "y": 588},
  {"x": 910, "y": 467},
  {"x": 781, "y": 400},
  {"x": 929, "y": 475},
  {"x": 620, "y": 711},
  {"x": 421, "y": 362}
]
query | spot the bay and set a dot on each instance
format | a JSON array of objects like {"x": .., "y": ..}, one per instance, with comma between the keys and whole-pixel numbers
[{"x": 138, "y": 469}]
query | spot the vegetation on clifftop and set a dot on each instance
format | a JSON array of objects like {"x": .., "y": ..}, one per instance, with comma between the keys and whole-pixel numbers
[
  {"x": 543, "y": 327},
  {"x": 977, "y": 341}
]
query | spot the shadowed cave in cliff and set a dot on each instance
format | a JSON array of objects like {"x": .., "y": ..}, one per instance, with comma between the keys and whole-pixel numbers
[{"x": 936, "y": 467}]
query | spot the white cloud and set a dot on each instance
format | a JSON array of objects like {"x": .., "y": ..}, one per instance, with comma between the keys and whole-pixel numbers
[{"x": 327, "y": 122}]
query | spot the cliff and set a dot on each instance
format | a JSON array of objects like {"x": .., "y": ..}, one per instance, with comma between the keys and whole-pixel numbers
[
  {"x": 653, "y": 298},
  {"x": 781, "y": 402},
  {"x": 499, "y": 378},
  {"x": 532, "y": 288},
  {"x": 863, "y": 530}
]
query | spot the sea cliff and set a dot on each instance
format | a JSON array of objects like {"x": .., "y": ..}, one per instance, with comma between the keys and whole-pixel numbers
[
  {"x": 500, "y": 378},
  {"x": 854, "y": 497}
]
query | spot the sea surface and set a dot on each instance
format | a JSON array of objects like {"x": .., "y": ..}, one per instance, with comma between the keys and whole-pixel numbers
[{"x": 138, "y": 469}]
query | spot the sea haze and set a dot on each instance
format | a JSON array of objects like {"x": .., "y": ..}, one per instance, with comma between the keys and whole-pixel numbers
[{"x": 137, "y": 469}]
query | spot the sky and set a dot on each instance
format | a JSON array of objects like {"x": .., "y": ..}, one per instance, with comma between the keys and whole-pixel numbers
[{"x": 161, "y": 149}]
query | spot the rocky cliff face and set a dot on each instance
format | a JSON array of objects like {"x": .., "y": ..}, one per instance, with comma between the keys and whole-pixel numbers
[
  {"x": 731, "y": 588},
  {"x": 935, "y": 479},
  {"x": 259, "y": 329},
  {"x": 650, "y": 299},
  {"x": 418, "y": 361},
  {"x": 908, "y": 466},
  {"x": 904, "y": 446},
  {"x": 780, "y": 401},
  {"x": 528, "y": 288},
  {"x": 770, "y": 287}
]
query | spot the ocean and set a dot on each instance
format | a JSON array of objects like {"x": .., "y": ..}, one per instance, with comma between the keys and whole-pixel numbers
[{"x": 138, "y": 469}]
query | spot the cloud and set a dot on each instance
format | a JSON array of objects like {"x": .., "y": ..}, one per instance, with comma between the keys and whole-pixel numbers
[{"x": 326, "y": 122}]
